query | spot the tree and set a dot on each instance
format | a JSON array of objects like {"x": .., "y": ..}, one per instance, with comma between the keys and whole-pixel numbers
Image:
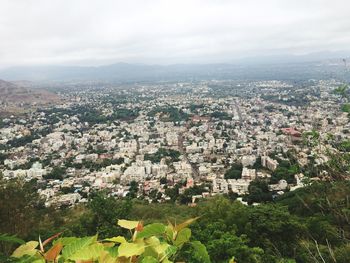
[
  {"x": 20, "y": 208},
  {"x": 133, "y": 189},
  {"x": 57, "y": 173},
  {"x": 105, "y": 212},
  {"x": 235, "y": 172},
  {"x": 258, "y": 192},
  {"x": 163, "y": 180}
]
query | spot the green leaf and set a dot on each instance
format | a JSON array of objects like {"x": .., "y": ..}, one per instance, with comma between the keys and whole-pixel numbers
[
  {"x": 151, "y": 230},
  {"x": 169, "y": 231},
  {"x": 128, "y": 224},
  {"x": 170, "y": 251},
  {"x": 161, "y": 249},
  {"x": 201, "y": 251},
  {"x": 77, "y": 245},
  {"x": 112, "y": 251},
  {"x": 91, "y": 252},
  {"x": 149, "y": 259},
  {"x": 26, "y": 249},
  {"x": 152, "y": 241},
  {"x": 130, "y": 249},
  {"x": 37, "y": 258},
  {"x": 11, "y": 239},
  {"x": 65, "y": 240},
  {"x": 182, "y": 237},
  {"x": 118, "y": 239}
]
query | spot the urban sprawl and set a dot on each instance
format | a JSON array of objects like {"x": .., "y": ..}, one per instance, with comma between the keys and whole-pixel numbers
[{"x": 174, "y": 142}]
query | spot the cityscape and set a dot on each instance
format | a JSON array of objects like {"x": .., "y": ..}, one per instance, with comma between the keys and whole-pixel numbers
[
  {"x": 187, "y": 131},
  {"x": 174, "y": 142}
]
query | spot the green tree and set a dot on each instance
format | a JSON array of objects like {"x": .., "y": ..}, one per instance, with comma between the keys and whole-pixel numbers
[
  {"x": 235, "y": 171},
  {"x": 105, "y": 212},
  {"x": 259, "y": 192}
]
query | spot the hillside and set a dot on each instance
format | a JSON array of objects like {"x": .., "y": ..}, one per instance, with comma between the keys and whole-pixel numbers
[{"x": 16, "y": 99}]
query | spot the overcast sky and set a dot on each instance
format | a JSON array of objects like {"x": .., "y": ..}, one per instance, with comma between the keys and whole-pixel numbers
[{"x": 93, "y": 32}]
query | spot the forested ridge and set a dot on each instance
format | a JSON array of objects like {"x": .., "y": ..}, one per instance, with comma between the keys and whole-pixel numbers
[{"x": 310, "y": 224}]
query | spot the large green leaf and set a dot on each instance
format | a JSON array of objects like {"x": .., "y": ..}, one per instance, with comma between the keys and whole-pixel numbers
[
  {"x": 112, "y": 251},
  {"x": 151, "y": 230},
  {"x": 118, "y": 239},
  {"x": 65, "y": 240},
  {"x": 170, "y": 251},
  {"x": 130, "y": 249},
  {"x": 77, "y": 245},
  {"x": 128, "y": 224},
  {"x": 182, "y": 237},
  {"x": 26, "y": 249},
  {"x": 169, "y": 231},
  {"x": 152, "y": 241},
  {"x": 91, "y": 252},
  {"x": 201, "y": 251}
]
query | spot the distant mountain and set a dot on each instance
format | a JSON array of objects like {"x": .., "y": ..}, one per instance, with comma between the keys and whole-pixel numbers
[{"x": 123, "y": 72}]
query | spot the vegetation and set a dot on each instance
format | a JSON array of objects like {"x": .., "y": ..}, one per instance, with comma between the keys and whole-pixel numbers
[
  {"x": 169, "y": 114},
  {"x": 300, "y": 226},
  {"x": 259, "y": 192},
  {"x": 147, "y": 244},
  {"x": 286, "y": 171},
  {"x": 57, "y": 173},
  {"x": 163, "y": 153},
  {"x": 235, "y": 171},
  {"x": 345, "y": 107},
  {"x": 90, "y": 115},
  {"x": 220, "y": 115}
]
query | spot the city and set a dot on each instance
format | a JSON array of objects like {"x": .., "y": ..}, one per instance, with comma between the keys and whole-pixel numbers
[
  {"x": 187, "y": 131},
  {"x": 175, "y": 142}
]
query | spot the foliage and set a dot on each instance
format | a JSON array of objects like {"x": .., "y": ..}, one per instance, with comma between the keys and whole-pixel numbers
[
  {"x": 345, "y": 146},
  {"x": 299, "y": 226},
  {"x": 57, "y": 173},
  {"x": 20, "y": 206},
  {"x": 221, "y": 115},
  {"x": 10, "y": 239},
  {"x": 285, "y": 170},
  {"x": 163, "y": 153},
  {"x": 151, "y": 243},
  {"x": 105, "y": 210},
  {"x": 169, "y": 114},
  {"x": 258, "y": 192},
  {"x": 342, "y": 91},
  {"x": 186, "y": 197},
  {"x": 235, "y": 171},
  {"x": 345, "y": 108}
]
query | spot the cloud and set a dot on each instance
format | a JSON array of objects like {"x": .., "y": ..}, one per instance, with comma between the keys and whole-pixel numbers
[{"x": 167, "y": 31}]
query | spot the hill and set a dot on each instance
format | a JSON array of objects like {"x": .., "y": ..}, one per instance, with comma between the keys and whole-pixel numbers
[
  {"x": 16, "y": 99},
  {"x": 124, "y": 72}
]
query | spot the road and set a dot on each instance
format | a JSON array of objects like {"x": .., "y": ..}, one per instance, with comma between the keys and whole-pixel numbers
[{"x": 182, "y": 150}]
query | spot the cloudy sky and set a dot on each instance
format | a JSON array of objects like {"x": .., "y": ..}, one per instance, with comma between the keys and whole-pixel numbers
[{"x": 94, "y": 32}]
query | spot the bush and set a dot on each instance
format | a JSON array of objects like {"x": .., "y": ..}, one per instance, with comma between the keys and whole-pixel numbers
[{"x": 147, "y": 244}]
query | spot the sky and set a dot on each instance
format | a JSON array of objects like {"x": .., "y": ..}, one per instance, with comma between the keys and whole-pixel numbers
[{"x": 96, "y": 32}]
